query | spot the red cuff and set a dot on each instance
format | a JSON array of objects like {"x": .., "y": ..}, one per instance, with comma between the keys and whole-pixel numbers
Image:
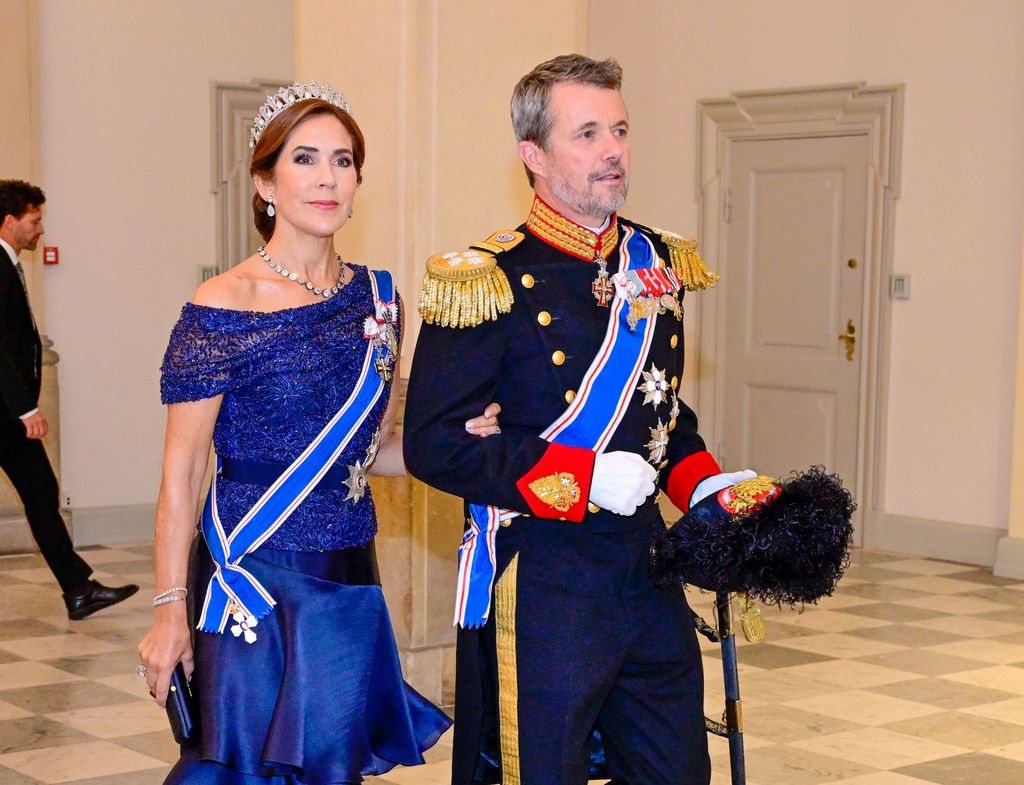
[
  {"x": 558, "y": 485},
  {"x": 687, "y": 474}
]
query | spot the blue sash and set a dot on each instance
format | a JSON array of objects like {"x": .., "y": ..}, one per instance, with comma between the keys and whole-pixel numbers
[
  {"x": 589, "y": 421},
  {"x": 233, "y": 591}
]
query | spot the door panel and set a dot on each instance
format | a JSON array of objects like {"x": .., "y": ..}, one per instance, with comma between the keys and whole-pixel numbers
[{"x": 798, "y": 215}]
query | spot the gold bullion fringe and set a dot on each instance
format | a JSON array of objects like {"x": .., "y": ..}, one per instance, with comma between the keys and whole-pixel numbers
[
  {"x": 687, "y": 263},
  {"x": 464, "y": 303},
  {"x": 508, "y": 676}
]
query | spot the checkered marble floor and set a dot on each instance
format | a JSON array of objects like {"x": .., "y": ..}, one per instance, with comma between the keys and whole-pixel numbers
[{"x": 912, "y": 674}]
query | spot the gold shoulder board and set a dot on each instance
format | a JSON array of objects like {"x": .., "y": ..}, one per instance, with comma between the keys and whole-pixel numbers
[
  {"x": 463, "y": 289},
  {"x": 499, "y": 242},
  {"x": 686, "y": 261}
]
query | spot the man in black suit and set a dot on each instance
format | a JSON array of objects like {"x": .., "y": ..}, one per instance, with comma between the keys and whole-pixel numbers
[{"x": 22, "y": 424}]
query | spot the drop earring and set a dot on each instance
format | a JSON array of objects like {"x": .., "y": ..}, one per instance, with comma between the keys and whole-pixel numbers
[
  {"x": 271, "y": 210},
  {"x": 351, "y": 213}
]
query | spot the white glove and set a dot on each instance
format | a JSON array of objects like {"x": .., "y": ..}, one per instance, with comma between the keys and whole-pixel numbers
[
  {"x": 621, "y": 481},
  {"x": 717, "y": 482}
]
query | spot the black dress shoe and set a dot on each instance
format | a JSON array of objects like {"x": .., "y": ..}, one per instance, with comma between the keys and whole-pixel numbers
[{"x": 96, "y": 597}]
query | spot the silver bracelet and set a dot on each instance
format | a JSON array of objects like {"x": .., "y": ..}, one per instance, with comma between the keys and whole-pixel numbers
[
  {"x": 169, "y": 598},
  {"x": 174, "y": 589}
]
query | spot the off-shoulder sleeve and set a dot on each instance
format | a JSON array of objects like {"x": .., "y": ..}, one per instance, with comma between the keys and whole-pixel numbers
[{"x": 203, "y": 356}]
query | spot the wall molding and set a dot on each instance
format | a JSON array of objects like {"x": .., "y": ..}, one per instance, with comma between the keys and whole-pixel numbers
[
  {"x": 935, "y": 539},
  {"x": 113, "y": 525}
]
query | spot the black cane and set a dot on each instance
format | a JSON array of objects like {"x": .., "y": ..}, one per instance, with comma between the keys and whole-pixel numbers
[{"x": 732, "y": 725}]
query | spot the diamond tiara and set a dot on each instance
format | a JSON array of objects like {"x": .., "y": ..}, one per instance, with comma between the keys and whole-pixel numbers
[{"x": 286, "y": 96}]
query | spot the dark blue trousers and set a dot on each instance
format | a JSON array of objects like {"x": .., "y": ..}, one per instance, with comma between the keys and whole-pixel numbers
[{"x": 579, "y": 640}]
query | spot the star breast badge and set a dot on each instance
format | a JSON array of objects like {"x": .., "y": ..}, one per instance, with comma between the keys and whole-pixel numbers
[
  {"x": 658, "y": 444},
  {"x": 655, "y": 387},
  {"x": 356, "y": 482}
]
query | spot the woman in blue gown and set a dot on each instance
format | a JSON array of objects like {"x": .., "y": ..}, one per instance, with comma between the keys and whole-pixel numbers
[{"x": 296, "y": 668}]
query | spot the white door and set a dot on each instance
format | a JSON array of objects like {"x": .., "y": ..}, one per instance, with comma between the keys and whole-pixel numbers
[{"x": 797, "y": 212}]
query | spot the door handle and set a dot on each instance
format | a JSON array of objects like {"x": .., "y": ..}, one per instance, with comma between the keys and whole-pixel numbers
[{"x": 849, "y": 338}]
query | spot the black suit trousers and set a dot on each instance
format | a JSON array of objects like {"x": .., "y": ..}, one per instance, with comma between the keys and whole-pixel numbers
[{"x": 25, "y": 462}]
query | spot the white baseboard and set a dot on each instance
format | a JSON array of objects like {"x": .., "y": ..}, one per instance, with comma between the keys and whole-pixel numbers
[
  {"x": 1010, "y": 558},
  {"x": 112, "y": 525},
  {"x": 932, "y": 539}
]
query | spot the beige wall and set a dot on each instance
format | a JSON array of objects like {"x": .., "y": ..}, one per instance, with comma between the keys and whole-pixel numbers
[
  {"x": 958, "y": 222},
  {"x": 126, "y": 166},
  {"x": 19, "y": 97}
]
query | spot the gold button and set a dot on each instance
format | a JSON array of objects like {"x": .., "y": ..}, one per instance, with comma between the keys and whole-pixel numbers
[
  {"x": 558, "y": 357},
  {"x": 675, "y": 382},
  {"x": 544, "y": 318},
  {"x": 570, "y": 396},
  {"x": 674, "y": 342},
  {"x": 563, "y": 519},
  {"x": 593, "y": 507},
  {"x": 527, "y": 281},
  {"x": 507, "y": 523}
]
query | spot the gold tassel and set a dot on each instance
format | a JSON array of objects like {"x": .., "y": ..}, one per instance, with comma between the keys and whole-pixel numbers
[
  {"x": 751, "y": 620},
  {"x": 463, "y": 290},
  {"x": 686, "y": 261}
]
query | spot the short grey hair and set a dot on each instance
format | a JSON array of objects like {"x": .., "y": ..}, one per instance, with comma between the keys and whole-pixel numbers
[{"x": 531, "y": 120}]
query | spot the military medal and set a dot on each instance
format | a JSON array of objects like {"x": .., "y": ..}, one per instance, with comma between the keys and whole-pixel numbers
[
  {"x": 602, "y": 287},
  {"x": 380, "y": 330}
]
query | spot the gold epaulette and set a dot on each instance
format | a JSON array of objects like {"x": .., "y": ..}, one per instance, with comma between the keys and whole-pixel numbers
[
  {"x": 463, "y": 289},
  {"x": 686, "y": 261}
]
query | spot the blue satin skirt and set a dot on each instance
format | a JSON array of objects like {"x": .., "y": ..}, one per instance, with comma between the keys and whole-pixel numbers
[{"x": 318, "y": 698}]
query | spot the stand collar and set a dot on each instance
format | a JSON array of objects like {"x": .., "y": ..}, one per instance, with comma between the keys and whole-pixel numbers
[{"x": 555, "y": 229}]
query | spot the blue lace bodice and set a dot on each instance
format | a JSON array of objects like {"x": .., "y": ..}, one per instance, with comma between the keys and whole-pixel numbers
[{"x": 283, "y": 375}]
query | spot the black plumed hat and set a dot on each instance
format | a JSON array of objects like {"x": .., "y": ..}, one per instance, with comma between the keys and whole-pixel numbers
[{"x": 783, "y": 542}]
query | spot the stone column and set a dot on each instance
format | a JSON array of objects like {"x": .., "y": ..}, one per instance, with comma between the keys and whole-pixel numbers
[{"x": 417, "y": 542}]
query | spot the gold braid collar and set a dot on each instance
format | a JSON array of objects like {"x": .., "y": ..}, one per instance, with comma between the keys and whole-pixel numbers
[{"x": 557, "y": 230}]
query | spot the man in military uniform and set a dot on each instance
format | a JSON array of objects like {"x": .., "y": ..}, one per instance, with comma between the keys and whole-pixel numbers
[{"x": 567, "y": 654}]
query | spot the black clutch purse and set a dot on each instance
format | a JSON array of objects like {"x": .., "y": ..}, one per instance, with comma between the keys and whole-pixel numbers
[{"x": 182, "y": 708}]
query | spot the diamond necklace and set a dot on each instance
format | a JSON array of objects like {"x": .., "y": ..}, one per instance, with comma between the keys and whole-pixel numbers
[{"x": 325, "y": 293}]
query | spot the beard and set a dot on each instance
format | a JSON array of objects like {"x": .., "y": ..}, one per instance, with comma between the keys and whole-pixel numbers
[{"x": 589, "y": 198}]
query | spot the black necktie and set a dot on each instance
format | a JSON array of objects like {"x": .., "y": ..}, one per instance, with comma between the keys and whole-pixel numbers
[{"x": 21, "y": 275}]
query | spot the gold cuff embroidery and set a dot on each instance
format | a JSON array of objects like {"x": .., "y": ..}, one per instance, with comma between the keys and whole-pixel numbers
[{"x": 560, "y": 491}]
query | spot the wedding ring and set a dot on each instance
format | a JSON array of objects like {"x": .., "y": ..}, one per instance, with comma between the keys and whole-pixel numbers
[
  {"x": 142, "y": 670},
  {"x": 497, "y": 430}
]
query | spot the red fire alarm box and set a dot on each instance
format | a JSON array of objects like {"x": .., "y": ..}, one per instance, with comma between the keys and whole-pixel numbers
[{"x": 51, "y": 254}]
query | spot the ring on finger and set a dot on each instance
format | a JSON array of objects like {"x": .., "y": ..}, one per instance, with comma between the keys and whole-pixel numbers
[{"x": 142, "y": 670}]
